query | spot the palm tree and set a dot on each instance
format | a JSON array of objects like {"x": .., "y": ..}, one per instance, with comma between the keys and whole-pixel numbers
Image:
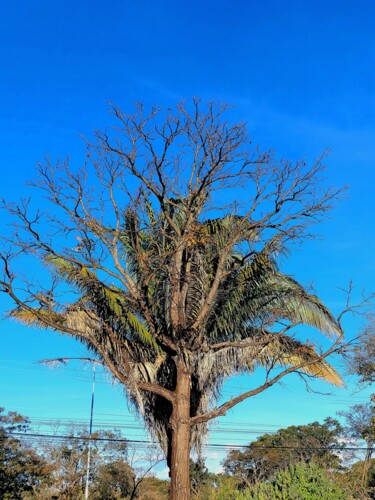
[
  {"x": 237, "y": 336},
  {"x": 173, "y": 301}
]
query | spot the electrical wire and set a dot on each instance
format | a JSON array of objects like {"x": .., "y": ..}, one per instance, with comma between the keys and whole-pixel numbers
[{"x": 62, "y": 437}]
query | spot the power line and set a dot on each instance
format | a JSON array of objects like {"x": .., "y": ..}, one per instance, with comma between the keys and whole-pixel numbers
[
  {"x": 134, "y": 426},
  {"x": 128, "y": 422},
  {"x": 240, "y": 435},
  {"x": 218, "y": 445},
  {"x": 248, "y": 428}
]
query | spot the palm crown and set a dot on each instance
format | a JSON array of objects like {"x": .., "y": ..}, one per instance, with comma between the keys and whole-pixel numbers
[{"x": 241, "y": 332}]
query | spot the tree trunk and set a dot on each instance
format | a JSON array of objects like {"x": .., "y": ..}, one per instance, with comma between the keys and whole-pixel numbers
[
  {"x": 366, "y": 464},
  {"x": 180, "y": 423}
]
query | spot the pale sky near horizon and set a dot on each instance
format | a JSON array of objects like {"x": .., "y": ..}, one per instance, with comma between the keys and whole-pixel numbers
[{"x": 299, "y": 73}]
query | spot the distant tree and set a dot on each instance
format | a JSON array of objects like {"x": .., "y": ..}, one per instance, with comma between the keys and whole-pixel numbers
[
  {"x": 226, "y": 488},
  {"x": 360, "y": 425},
  {"x": 163, "y": 253},
  {"x": 270, "y": 453},
  {"x": 143, "y": 465},
  {"x": 351, "y": 481},
  {"x": 68, "y": 459},
  {"x": 362, "y": 360},
  {"x": 299, "y": 482},
  {"x": 153, "y": 488},
  {"x": 200, "y": 478},
  {"x": 21, "y": 468},
  {"x": 112, "y": 480}
]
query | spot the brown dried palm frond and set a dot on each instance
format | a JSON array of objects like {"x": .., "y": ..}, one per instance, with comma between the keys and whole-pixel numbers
[{"x": 210, "y": 370}]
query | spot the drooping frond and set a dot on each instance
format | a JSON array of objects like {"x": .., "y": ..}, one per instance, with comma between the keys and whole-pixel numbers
[
  {"x": 260, "y": 294},
  {"x": 37, "y": 317},
  {"x": 108, "y": 302},
  {"x": 279, "y": 350},
  {"x": 315, "y": 367},
  {"x": 211, "y": 369},
  {"x": 290, "y": 300},
  {"x": 289, "y": 352},
  {"x": 77, "y": 275}
]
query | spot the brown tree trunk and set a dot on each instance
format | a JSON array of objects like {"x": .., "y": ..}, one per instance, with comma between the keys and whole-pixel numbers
[{"x": 180, "y": 423}]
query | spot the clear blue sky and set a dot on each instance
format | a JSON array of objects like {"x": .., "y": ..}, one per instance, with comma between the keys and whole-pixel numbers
[{"x": 300, "y": 73}]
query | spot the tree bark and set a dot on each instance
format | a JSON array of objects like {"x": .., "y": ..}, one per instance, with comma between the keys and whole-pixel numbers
[{"x": 180, "y": 423}]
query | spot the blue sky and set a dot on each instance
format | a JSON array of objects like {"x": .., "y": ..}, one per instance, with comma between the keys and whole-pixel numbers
[{"x": 300, "y": 73}]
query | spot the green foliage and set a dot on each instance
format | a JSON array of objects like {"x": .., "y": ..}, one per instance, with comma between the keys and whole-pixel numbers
[
  {"x": 226, "y": 488},
  {"x": 351, "y": 481},
  {"x": 268, "y": 454},
  {"x": 109, "y": 303},
  {"x": 21, "y": 469},
  {"x": 201, "y": 480},
  {"x": 152, "y": 488},
  {"x": 299, "y": 482},
  {"x": 260, "y": 290},
  {"x": 112, "y": 481}
]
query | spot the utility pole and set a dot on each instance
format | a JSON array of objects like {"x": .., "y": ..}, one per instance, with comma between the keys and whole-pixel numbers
[{"x": 89, "y": 450}]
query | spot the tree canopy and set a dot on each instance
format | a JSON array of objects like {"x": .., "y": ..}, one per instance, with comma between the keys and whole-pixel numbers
[
  {"x": 21, "y": 468},
  {"x": 299, "y": 482},
  {"x": 163, "y": 259},
  {"x": 362, "y": 360},
  {"x": 268, "y": 454}
]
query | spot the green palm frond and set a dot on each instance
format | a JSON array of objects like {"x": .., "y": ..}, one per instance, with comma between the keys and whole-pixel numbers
[
  {"x": 260, "y": 294},
  {"x": 221, "y": 230},
  {"x": 72, "y": 273},
  {"x": 282, "y": 297},
  {"x": 235, "y": 300},
  {"x": 109, "y": 303},
  {"x": 138, "y": 327}
]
